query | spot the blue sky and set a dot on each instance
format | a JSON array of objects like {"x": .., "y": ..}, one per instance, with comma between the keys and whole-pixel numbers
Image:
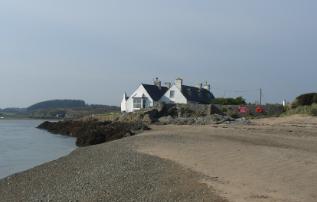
[{"x": 95, "y": 50}]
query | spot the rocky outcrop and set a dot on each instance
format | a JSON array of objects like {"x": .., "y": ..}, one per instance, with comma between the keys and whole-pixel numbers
[
  {"x": 181, "y": 114},
  {"x": 161, "y": 111},
  {"x": 94, "y": 132},
  {"x": 146, "y": 116},
  {"x": 203, "y": 120},
  {"x": 91, "y": 132}
]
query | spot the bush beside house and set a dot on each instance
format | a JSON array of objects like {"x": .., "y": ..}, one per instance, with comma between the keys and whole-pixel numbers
[
  {"x": 303, "y": 104},
  {"x": 229, "y": 101}
]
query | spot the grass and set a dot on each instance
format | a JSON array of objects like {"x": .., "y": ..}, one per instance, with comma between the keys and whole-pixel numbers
[
  {"x": 309, "y": 110},
  {"x": 110, "y": 116}
]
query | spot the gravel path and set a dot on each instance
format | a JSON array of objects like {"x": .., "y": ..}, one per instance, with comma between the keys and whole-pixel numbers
[{"x": 108, "y": 172}]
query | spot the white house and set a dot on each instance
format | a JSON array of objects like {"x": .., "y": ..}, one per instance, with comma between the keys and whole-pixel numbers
[
  {"x": 146, "y": 95},
  {"x": 143, "y": 97}
]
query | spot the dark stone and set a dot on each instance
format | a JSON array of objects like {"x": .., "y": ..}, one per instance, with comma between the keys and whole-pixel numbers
[{"x": 94, "y": 132}]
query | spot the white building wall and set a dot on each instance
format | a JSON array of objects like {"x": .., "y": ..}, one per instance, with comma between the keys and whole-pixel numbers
[
  {"x": 123, "y": 106},
  {"x": 129, "y": 105},
  {"x": 124, "y": 103},
  {"x": 178, "y": 98},
  {"x": 139, "y": 93}
]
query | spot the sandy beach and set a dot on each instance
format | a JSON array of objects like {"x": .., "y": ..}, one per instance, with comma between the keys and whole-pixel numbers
[{"x": 270, "y": 160}]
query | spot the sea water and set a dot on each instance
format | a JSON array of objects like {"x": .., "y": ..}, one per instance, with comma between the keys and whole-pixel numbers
[{"x": 23, "y": 146}]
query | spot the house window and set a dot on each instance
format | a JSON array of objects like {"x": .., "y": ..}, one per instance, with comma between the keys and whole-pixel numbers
[
  {"x": 137, "y": 103},
  {"x": 172, "y": 94}
]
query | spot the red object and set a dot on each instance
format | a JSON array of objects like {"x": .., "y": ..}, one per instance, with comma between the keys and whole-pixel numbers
[
  {"x": 243, "y": 109},
  {"x": 259, "y": 109}
]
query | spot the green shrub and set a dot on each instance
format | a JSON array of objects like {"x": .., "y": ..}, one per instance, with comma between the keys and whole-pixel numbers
[
  {"x": 310, "y": 110},
  {"x": 315, "y": 98},
  {"x": 224, "y": 110},
  {"x": 229, "y": 101},
  {"x": 305, "y": 99},
  {"x": 314, "y": 110}
]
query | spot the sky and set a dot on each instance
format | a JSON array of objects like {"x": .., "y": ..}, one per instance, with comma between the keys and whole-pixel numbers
[{"x": 96, "y": 50}]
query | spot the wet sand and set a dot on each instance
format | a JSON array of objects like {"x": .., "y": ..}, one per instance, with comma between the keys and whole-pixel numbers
[{"x": 271, "y": 160}]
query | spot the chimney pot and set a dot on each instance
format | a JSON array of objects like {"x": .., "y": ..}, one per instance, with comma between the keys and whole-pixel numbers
[
  {"x": 207, "y": 86},
  {"x": 157, "y": 82}
]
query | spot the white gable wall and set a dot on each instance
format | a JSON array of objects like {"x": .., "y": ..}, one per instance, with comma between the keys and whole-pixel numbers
[
  {"x": 178, "y": 98},
  {"x": 139, "y": 93},
  {"x": 123, "y": 105}
]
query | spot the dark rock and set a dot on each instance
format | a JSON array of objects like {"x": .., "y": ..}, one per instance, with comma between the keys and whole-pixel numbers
[
  {"x": 94, "y": 132},
  {"x": 203, "y": 120}
]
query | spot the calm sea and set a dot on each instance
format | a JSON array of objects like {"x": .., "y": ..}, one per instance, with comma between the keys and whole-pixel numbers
[{"x": 22, "y": 146}]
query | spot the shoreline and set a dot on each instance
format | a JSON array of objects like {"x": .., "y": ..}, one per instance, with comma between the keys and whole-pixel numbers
[
  {"x": 27, "y": 118},
  {"x": 125, "y": 175},
  {"x": 35, "y": 166},
  {"x": 265, "y": 161}
]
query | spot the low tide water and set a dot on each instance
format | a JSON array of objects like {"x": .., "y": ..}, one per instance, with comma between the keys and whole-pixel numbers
[{"x": 23, "y": 146}]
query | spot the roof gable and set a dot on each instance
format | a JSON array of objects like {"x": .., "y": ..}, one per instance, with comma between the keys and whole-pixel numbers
[{"x": 154, "y": 91}]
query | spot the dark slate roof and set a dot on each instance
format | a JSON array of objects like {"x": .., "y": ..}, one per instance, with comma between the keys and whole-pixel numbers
[
  {"x": 155, "y": 92},
  {"x": 199, "y": 95}
]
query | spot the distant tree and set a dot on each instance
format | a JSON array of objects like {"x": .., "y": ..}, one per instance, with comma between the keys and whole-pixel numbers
[
  {"x": 305, "y": 99},
  {"x": 315, "y": 98},
  {"x": 240, "y": 100},
  {"x": 229, "y": 101},
  {"x": 53, "y": 104}
]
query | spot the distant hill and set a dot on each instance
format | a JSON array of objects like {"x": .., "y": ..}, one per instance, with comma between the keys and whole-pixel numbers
[
  {"x": 67, "y": 109},
  {"x": 13, "y": 110},
  {"x": 57, "y": 104},
  {"x": 60, "y": 109}
]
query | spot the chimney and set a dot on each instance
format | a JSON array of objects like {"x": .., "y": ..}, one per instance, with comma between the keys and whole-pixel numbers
[
  {"x": 179, "y": 83},
  {"x": 157, "y": 82},
  {"x": 207, "y": 86}
]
